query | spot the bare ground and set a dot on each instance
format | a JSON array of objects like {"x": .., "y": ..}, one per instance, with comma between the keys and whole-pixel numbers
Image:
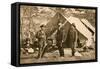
[{"x": 54, "y": 56}]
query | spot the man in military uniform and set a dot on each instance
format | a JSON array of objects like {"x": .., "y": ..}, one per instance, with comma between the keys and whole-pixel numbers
[
  {"x": 73, "y": 38},
  {"x": 41, "y": 36},
  {"x": 60, "y": 39}
]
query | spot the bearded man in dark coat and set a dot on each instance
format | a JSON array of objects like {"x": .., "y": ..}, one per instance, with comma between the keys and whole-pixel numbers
[
  {"x": 73, "y": 38},
  {"x": 60, "y": 39}
]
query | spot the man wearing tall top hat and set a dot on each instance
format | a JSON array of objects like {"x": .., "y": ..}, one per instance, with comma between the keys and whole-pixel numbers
[{"x": 60, "y": 39}]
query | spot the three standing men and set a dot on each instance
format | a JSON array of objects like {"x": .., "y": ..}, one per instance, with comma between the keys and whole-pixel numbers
[{"x": 41, "y": 36}]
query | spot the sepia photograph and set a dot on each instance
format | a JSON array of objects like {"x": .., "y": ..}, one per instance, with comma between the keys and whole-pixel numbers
[{"x": 57, "y": 34}]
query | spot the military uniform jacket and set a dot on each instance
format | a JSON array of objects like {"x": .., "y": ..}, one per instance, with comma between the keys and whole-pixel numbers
[{"x": 41, "y": 35}]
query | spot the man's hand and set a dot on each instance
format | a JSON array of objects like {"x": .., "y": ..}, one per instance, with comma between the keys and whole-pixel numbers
[{"x": 62, "y": 41}]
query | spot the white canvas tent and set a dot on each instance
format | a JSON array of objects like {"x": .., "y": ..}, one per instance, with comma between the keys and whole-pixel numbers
[
  {"x": 88, "y": 25},
  {"x": 84, "y": 33},
  {"x": 81, "y": 28}
]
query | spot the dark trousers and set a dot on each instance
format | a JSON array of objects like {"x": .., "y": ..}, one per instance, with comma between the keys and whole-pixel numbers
[
  {"x": 60, "y": 48},
  {"x": 44, "y": 51},
  {"x": 41, "y": 47},
  {"x": 73, "y": 48}
]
